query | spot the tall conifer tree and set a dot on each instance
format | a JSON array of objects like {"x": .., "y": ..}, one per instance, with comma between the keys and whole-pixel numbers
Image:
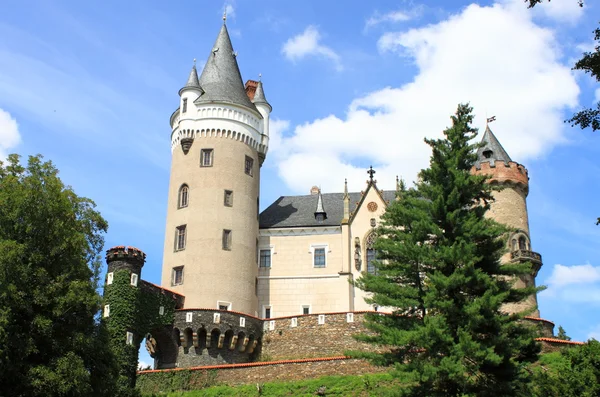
[{"x": 439, "y": 269}]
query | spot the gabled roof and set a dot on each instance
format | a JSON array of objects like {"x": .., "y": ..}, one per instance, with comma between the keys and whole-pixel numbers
[
  {"x": 299, "y": 211},
  {"x": 492, "y": 150},
  {"x": 221, "y": 79}
]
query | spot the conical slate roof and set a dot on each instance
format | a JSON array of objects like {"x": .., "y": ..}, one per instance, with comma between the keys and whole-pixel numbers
[
  {"x": 492, "y": 150},
  {"x": 320, "y": 209},
  {"x": 192, "y": 81},
  {"x": 221, "y": 79},
  {"x": 259, "y": 95}
]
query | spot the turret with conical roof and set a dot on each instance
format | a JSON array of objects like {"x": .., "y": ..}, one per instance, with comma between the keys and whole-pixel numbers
[
  {"x": 219, "y": 139},
  {"x": 510, "y": 208}
]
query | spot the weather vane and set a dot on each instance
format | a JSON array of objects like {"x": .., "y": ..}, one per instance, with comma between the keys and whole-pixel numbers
[{"x": 490, "y": 119}]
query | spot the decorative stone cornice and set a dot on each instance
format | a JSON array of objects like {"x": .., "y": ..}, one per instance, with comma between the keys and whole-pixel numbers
[{"x": 300, "y": 231}]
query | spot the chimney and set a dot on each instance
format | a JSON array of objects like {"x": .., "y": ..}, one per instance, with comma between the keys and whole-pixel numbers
[
  {"x": 251, "y": 88},
  {"x": 314, "y": 190}
]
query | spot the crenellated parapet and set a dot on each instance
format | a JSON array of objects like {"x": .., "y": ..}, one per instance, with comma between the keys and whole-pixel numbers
[{"x": 504, "y": 173}]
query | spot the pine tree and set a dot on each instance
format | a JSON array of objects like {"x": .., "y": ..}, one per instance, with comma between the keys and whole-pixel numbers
[
  {"x": 50, "y": 238},
  {"x": 562, "y": 334},
  {"x": 439, "y": 269}
]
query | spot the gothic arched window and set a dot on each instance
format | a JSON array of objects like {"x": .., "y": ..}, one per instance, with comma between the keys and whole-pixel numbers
[
  {"x": 522, "y": 243},
  {"x": 371, "y": 253},
  {"x": 184, "y": 195}
]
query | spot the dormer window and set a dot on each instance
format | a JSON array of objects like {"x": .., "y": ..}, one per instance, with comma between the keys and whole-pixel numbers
[
  {"x": 487, "y": 154},
  {"x": 184, "y": 107}
]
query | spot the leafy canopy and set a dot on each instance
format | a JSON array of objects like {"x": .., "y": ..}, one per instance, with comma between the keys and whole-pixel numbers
[
  {"x": 439, "y": 270},
  {"x": 50, "y": 238}
]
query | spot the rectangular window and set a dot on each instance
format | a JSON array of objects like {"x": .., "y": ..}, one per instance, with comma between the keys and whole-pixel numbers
[
  {"x": 305, "y": 309},
  {"x": 161, "y": 311},
  {"x": 319, "y": 257},
  {"x": 224, "y": 305},
  {"x": 265, "y": 258},
  {"x": 134, "y": 279},
  {"x": 109, "y": 278},
  {"x": 206, "y": 158},
  {"x": 249, "y": 165},
  {"x": 189, "y": 317},
  {"x": 227, "y": 239},
  {"x": 180, "y": 238},
  {"x": 184, "y": 109},
  {"x": 267, "y": 311},
  {"x": 129, "y": 338},
  {"x": 106, "y": 310},
  {"x": 228, "y": 198},
  {"x": 177, "y": 275}
]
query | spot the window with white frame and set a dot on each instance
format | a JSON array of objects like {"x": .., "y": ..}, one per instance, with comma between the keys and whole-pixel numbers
[
  {"x": 294, "y": 322},
  {"x": 188, "y": 317},
  {"x": 161, "y": 311},
  {"x": 243, "y": 322},
  {"x": 319, "y": 255},
  {"x": 221, "y": 305},
  {"x": 265, "y": 257},
  {"x": 106, "y": 310},
  {"x": 129, "y": 338},
  {"x": 206, "y": 158},
  {"x": 267, "y": 311},
  {"x": 134, "y": 279},
  {"x": 180, "y": 233},
  {"x": 184, "y": 195},
  {"x": 321, "y": 319},
  {"x": 109, "y": 278},
  {"x": 177, "y": 277}
]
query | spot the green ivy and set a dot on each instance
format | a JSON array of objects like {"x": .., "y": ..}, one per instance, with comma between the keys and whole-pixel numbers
[{"x": 133, "y": 309}]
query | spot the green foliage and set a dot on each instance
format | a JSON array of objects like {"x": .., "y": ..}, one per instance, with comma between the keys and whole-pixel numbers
[
  {"x": 50, "y": 240},
  {"x": 439, "y": 267},
  {"x": 562, "y": 334},
  {"x": 136, "y": 310},
  {"x": 573, "y": 372},
  {"x": 177, "y": 384}
]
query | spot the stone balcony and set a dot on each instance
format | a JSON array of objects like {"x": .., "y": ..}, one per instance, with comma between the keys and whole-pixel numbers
[{"x": 527, "y": 256}]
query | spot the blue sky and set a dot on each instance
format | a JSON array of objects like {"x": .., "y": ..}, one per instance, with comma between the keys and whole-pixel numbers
[{"x": 91, "y": 86}]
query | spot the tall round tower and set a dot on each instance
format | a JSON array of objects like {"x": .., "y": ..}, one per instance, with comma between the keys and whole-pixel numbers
[
  {"x": 510, "y": 209},
  {"x": 219, "y": 140}
]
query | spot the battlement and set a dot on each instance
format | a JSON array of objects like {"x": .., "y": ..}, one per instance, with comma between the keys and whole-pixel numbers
[
  {"x": 126, "y": 254},
  {"x": 501, "y": 172}
]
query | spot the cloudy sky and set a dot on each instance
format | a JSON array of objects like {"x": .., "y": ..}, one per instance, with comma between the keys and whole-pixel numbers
[{"x": 91, "y": 86}]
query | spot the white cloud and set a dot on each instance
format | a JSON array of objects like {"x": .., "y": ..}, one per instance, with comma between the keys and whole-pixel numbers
[
  {"x": 575, "y": 284},
  {"x": 229, "y": 10},
  {"x": 9, "y": 133},
  {"x": 306, "y": 44},
  {"x": 143, "y": 365},
  {"x": 495, "y": 57},
  {"x": 580, "y": 274},
  {"x": 392, "y": 16},
  {"x": 567, "y": 11}
]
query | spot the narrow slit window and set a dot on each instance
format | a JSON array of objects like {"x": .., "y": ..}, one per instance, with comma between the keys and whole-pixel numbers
[
  {"x": 184, "y": 107},
  {"x": 227, "y": 239},
  {"x": 228, "y": 198},
  {"x": 184, "y": 192}
]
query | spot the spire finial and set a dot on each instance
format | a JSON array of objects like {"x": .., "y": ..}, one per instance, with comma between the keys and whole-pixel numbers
[
  {"x": 371, "y": 172},
  {"x": 194, "y": 62},
  {"x": 224, "y": 16},
  {"x": 260, "y": 77}
]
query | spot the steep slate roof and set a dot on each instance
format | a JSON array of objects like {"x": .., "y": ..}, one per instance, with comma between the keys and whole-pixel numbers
[
  {"x": 192, "y": 82},
  {"x": 299, "y": 211},
  {"x": 221, "y": 79},
  {"x": 492, "y": 144},
  {"x": 259, "y": 95}
]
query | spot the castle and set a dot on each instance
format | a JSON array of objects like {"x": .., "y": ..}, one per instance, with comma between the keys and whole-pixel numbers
[{"x": 231, "y": 275}]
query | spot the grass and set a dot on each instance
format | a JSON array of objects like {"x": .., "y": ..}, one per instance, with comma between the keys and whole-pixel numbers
[{"x": 363, "y": 385}]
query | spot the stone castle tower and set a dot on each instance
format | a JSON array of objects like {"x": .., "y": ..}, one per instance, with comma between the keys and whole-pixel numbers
[
  {"x": 510, "y": 209},
  {"x": 219, "y": 140}
]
